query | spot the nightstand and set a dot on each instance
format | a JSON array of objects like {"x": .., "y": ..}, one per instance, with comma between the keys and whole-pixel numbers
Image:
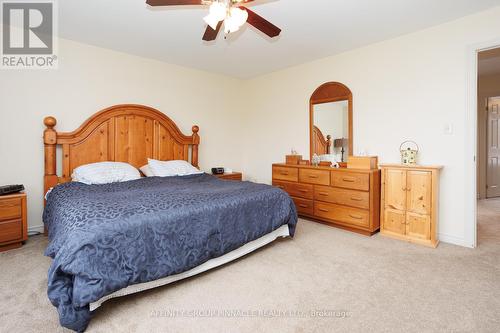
[
  {"x": 231, "y": 176},
  {"x": 13, "y": 221}
]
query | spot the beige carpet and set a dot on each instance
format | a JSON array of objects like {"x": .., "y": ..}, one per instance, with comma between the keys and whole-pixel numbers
[{"x": 384, "y": 286}]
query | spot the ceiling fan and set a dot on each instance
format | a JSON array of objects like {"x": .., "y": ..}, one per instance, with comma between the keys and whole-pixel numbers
[{"x": 230, "y": 12}]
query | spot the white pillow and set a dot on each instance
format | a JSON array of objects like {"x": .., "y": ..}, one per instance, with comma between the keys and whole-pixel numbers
[
  {"x": 105, "y": 173},
  {"x": 172, "y": 168},
  {"x": 146, "y": 170}
]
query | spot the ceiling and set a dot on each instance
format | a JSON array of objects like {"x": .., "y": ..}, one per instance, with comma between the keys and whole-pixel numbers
[
  {"x": 489, "y": 62},
  {"x": 312, "y": 29}
]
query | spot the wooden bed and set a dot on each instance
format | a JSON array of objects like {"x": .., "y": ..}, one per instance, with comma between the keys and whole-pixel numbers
[
  {"x": 321, "y": 145},
  {"x": 122, "y": 133}
]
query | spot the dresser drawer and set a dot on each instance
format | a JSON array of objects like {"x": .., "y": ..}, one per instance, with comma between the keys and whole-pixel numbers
[
  {"x": 284, "y": 173},
  {"x": 319, "y": 177},
  {"x": 10, "y": 209},
  {"x": 11, "y": 231},
  {"x": 351, "y": 180},
  {"x": 296, "y": 189},
  {"x": 304, "y": 206},
  {"x": 342, "y": 197},
  {"x": 342, "y": 214}
]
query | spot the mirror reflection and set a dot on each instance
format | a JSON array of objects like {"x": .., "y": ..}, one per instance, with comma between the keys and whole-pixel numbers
[{"x": 331, "y": 131}]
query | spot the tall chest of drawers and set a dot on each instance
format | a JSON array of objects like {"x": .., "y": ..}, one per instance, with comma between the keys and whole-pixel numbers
[{"x": 345, "y": 198}]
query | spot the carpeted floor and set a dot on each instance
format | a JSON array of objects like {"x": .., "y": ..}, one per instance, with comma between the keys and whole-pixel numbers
[{"x": 327, "y": 279}]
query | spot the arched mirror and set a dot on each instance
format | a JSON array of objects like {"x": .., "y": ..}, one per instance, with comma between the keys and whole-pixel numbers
[{"x": 331, "y": 122}]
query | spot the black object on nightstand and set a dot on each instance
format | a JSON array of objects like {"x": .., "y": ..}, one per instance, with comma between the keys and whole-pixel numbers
[{"x": 9, "y": 189}]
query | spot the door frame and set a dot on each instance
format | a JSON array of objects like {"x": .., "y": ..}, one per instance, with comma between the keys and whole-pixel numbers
[{"x": 470, "y": 137}]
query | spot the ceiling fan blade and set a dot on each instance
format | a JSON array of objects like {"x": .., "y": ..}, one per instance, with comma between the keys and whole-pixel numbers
[
  {"x": 262, "y": 24},
  {"x": 211, "y": 34},
  {"x": 174, "y": 2}
]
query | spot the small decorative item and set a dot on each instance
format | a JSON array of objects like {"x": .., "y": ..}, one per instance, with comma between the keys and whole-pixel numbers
[
  {"x": 293, "y": 159},
  {"x": 325, "y": 163},
  {"x": 409, "y": 151},
  {"x": 315, "y": 160},
  {"x": 304, "y": 162}
]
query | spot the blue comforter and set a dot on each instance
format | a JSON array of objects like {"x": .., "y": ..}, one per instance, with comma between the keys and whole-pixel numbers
[{"x": 106, "y": 237}]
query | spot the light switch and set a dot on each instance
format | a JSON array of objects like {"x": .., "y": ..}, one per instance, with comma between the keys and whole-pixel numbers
[{"x": 448, "y": 129}]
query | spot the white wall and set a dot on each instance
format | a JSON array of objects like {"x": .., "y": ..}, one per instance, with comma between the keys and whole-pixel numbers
[
  {"x": 405, "y": 88},
  {"x": 90, "y": 79}
]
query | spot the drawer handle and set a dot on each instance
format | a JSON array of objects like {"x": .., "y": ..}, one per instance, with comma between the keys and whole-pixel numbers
[
  {"x": 323, "y": 210},
  {"x": 356, "y": 199},
  {"x": 325, "y": 194},
  {"x": 313, "y": 176},
  {"x": 304, "y": 206},
  {"x": 284, "y": 173},
  {"x": 303, "y": 191},
  {"x": 391, "y": 207},
  {"x": 357, "y": 217},
  {"x": 349, "y": 180}
]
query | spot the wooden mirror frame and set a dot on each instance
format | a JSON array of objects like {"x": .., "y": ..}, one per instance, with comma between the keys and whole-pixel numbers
[{"x": 327, "y": 93}]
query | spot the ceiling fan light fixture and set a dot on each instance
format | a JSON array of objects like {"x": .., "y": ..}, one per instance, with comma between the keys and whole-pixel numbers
[
  {"x": 235, "y": 20},
  {"x": 211, "y": 21}
]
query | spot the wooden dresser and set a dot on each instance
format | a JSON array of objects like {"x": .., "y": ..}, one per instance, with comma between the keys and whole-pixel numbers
[
  {"x": 13, "y": 221},
  {"x": 345, "y": 198},
  {"x": 410, "y": 203}
]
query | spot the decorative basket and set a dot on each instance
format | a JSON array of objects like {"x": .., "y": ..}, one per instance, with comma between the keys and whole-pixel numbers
[{"x": 409, "y": 152}]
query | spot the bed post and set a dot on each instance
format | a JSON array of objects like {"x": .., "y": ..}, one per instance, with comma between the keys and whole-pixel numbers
[
  {"x": 50, "y": 141},
  {"x": 196, "y": 142}
]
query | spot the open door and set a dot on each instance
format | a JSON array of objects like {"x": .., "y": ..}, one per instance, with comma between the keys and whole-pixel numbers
[{"x": 493, "y": 142}]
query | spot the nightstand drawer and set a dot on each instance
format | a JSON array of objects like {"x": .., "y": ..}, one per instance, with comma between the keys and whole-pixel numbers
[
  {"x": 10, "y": 209},
  {"x": 11, "y": 231},
  {"x": 284, "y": 173},
  {"x": 319, "y": 177},
  {"x": 296, "y": 189},
  {"x": 351, "y": 180}
]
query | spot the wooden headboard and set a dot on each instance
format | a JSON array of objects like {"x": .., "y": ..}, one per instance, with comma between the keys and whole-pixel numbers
[
  {"x": 321, "y": 145},
  {"x": 122, "y": 133}
]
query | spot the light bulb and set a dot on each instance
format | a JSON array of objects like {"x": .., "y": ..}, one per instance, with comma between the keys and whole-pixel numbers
[
  {"x": 218, "y": 10},
  {"x": 240, "y": 16},
  {"x": 216, "y": 14},
  {"x": 211, "y": 21},
  {"x": 236, "y": 18}
]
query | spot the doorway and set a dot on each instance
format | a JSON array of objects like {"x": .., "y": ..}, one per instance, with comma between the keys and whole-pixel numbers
[{"x": 488, "y": 143}]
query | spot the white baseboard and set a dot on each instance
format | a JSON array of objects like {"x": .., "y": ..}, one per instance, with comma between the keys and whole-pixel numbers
[
  {"x": 36, "y": 228},
  {"x": 454, "y": 240}
]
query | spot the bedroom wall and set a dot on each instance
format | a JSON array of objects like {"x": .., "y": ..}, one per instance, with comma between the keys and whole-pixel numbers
[
  {"x": 410, "y": 87},
  {"x": 90, "y": 79}
]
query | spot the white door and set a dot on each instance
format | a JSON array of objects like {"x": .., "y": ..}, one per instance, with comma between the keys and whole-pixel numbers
[{"x": 493, "y": 141}]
